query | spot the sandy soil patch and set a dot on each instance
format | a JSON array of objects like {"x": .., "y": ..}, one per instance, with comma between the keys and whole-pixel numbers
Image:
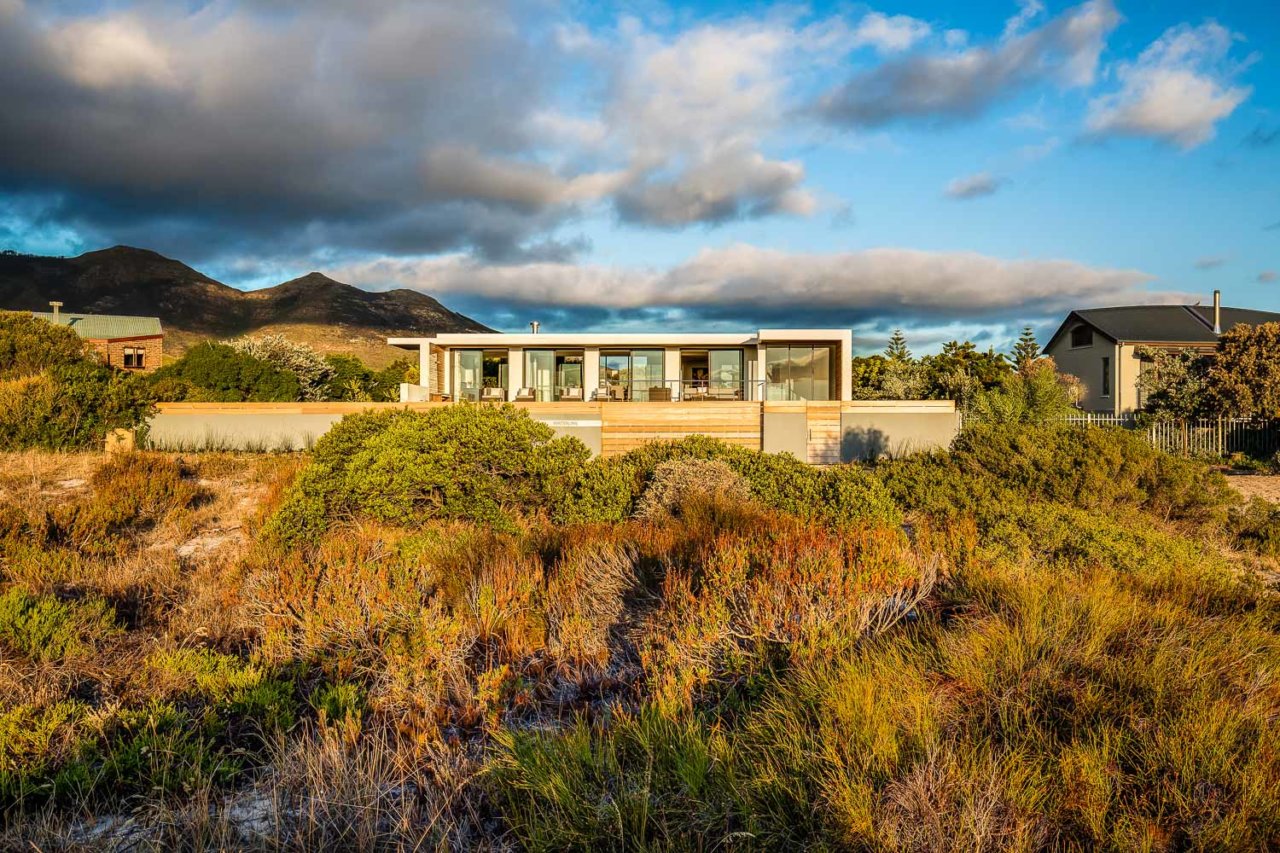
[{"x": 1265, "y": 486}]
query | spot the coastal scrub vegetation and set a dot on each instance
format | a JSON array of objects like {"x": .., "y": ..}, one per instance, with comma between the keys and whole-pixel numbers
[
  {"x": 54, "y": 394},
  {"x": 1048, "y": 638}
]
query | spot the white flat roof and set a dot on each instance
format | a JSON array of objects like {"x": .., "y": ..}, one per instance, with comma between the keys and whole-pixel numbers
[{"x": 659, "y": 339}]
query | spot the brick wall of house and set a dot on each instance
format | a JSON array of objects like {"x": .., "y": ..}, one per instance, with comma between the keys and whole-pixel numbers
[{"x": 112, "y": 351}]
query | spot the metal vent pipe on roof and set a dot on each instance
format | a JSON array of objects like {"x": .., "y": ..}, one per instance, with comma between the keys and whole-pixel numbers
[
  {"x": 534, "y": 327},
  {"x": 1217, "y": 312},
  {"x": 57, "y": 314}
]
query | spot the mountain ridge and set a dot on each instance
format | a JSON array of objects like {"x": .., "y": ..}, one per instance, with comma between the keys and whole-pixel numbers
[{"x": 329, "y": 314}]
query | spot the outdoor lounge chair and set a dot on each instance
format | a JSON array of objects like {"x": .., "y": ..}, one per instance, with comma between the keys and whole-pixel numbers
[
  {"x": 571, "y": 394},
  {"x": 526, "y": 395},
  {"x": 659, "y": 395},
  {"x": 493, "y": 395}
]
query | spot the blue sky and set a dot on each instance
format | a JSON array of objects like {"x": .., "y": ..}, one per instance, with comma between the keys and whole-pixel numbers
[{"x": 958, "y": 170}]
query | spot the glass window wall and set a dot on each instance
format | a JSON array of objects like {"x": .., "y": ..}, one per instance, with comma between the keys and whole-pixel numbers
[
  {"x": 475, "y": 370},
  {"x": 798, "y": 372},
  {"x": 629, "y": 374},
  {"x": 553, "y": 374}
]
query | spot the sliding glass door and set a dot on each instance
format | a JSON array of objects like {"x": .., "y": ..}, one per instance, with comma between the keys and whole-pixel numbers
[
  {"x": 798, "y": 372},
  {"x": 540, "y": 373},
  {"x": 474, "y": 370},
  {"x": 630, "y": 374}
]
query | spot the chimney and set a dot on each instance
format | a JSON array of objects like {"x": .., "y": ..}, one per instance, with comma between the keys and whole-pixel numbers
[
  {"x": 1217, "y": 312},
  {"x": 57, "y": 313},
  {"x": 534, "y": 327}
]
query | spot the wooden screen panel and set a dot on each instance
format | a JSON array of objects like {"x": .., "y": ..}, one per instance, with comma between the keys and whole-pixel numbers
[
  {"x": 825, "y": 433},
  {"x": 625, "y": 426}
]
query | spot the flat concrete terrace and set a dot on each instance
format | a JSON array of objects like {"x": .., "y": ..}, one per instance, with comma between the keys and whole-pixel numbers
[{"x": 821, "y": 433}]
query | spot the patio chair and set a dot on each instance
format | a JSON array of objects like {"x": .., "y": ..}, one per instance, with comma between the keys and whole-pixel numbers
[
  {"x": 493, "y": 395},
  {"x": 527, "y": 395},
  {"x": 571, "y": 394}
]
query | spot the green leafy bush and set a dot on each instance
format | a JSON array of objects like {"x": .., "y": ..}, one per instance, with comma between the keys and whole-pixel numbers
[
  {"x": 219, "y": 373},
  {"x": 302, "y": 362},
  {"x": 840, "y": 494},
  {"x": 484, "y": 463},
  {"x": 70, "y": 406},
  {"x": 44, "y": 628},
  {"x": 29, "y": 345}
]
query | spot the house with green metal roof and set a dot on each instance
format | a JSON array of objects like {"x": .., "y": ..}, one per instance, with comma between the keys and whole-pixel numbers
[
  {"x": 129, "y": 343},
  {"x": 1100, "y": 346}
]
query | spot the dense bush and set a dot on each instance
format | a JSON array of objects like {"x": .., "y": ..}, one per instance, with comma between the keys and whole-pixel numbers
[
  {"x": 306, "y": 365},
  {"x": 839, "y": 494},
  {"x": 1036, "y": 395},
  {"x": 485, "y": 463},
  {"x": 29, "y": 345},
  {"x": 218, "y": 373},
  {"x": 70, "y": 406},
  {"x": 353, "y": 380},
  {"x": 676, "y": 484},
  {"x": 1090, "y": 468}
]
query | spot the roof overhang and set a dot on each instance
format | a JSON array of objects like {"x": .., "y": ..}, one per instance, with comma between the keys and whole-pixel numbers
[{"x": 471, "y": 340}]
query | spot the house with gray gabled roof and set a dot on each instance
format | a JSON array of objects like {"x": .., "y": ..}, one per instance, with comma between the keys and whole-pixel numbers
[
  {"x": 1100, "y": 346},
  {"x": 130, "y": 343}
]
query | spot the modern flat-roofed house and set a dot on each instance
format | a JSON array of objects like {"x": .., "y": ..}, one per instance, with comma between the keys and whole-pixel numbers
[
  {"x": 1100, "y": 346},
  {"x": 129, "y": 343},
  {"x": 769, "y": 364}
]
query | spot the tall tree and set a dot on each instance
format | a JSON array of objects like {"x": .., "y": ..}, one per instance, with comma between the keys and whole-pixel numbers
[
  {"x": 1245, "y": 375},
  {"x": 1026, "y": 350},
  {"x": 897, "y": 349}
]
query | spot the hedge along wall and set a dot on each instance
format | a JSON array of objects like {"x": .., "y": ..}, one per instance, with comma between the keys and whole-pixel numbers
[{"x": 819, "y": 433}]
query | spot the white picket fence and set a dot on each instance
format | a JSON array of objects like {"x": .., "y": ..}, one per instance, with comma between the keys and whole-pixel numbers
[{"x": 1199, "y": 436}]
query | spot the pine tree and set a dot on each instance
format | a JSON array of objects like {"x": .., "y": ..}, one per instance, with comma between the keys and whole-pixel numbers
[
  {"x": 1026, "y": 350},
  {"x": 897, "y": 349}
]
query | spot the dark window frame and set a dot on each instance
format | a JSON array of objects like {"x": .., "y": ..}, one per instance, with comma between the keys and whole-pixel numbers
[
  {"x": 1106, "y": 376},
  {"x": 1081, "y": 336}
]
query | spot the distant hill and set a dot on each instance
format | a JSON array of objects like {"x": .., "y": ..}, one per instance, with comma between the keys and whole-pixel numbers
[{"x": 330, "y": 315}]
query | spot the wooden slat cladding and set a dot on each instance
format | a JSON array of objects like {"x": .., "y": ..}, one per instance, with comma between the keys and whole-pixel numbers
[
  {"x": 626, "y": 426},
  {"x": 825, "y": 433}
]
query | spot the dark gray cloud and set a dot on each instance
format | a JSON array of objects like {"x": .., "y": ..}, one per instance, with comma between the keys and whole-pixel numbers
[
  {"x": 959, "y": 85},
  {"x": 389, "y": 126},
  {"x": 239, "y": 123}
]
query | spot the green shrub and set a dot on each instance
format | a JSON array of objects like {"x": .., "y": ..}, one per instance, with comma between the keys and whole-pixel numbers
[
  {"x": 1095, "y": 468},
  {"x": 490, "y": 464},
  {"x": 840, "y": 494},
  {"x": 1256, "y": 526},
  {"x": 46, "y": 629},
  {"x": 70, "y": 406},
  {"x": 218, "y": 373},
  {"x": 335, "y": 703},
  {"x": 29, "y": 345},
  {"x": 676, "y": 483}
]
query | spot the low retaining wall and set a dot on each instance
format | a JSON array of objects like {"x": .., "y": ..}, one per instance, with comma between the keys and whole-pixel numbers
[{"x": 818, "y": 432}]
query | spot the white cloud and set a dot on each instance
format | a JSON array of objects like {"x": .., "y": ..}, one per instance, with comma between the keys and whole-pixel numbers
[
  {"x": 889, "y": 33},
  {"x": 961, "y": 84},
  {"x": 1176, "y": 91},
  {"x": 973, "y": 186},
  {"x": 104, "y": 53},
  {"x": 745, "y": 281}
]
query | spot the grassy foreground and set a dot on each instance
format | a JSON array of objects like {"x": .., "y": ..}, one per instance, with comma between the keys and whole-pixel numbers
[{"x": 1045, "y": 639}]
